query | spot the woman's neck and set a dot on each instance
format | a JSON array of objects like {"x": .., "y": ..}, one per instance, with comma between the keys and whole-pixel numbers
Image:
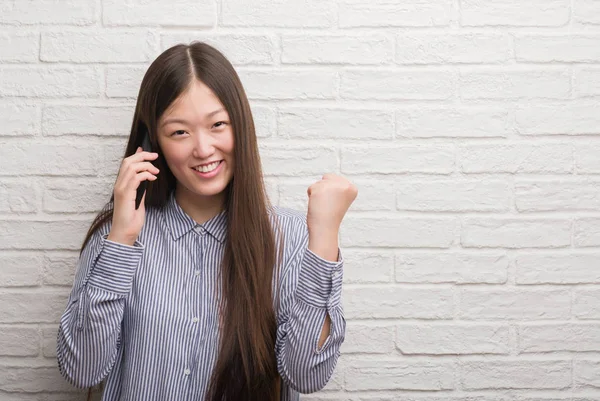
[{"x": 198, "y": 207}]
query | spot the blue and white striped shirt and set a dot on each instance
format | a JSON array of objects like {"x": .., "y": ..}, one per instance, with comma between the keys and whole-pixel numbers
[{"x": 144, "y": 317}]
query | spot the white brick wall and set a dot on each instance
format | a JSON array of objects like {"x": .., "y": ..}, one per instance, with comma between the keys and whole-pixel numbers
[{"x": 472, "y": 128}]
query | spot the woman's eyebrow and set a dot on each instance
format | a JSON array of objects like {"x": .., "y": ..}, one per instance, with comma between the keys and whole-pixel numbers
[
  {"x": 212, "y": 113},
  {"x": 182, "y": 121}
]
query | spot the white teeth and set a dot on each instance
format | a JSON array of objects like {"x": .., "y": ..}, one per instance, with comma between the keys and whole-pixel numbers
[{"x": 208, "y": 168}]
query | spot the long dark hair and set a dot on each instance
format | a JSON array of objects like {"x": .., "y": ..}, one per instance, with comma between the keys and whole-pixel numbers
[{"x": 246, "y": 368}]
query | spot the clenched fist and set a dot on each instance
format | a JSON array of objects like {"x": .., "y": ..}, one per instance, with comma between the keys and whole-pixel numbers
[{"x": 328, "y": 202}]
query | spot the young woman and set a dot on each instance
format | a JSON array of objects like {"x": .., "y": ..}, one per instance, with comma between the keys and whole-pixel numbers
[{"x": 205, "y": 292}]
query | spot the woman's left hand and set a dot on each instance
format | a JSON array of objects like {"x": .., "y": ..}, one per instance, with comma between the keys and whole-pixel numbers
[{"x": 328, "y": 202}]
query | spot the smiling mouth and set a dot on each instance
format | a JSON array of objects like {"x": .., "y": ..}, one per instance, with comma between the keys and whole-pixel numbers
[{"x": 207, "y": 168}]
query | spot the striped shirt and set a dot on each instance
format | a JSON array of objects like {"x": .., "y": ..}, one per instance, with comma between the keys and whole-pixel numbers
[{"x": 144, "y": 317}]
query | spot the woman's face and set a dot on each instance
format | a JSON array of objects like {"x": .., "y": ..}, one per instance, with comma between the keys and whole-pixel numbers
[{"x": 196, "y": 139}]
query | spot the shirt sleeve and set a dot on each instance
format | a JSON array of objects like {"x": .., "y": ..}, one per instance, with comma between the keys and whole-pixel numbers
[
  {"x": 311, "y": 290},
  {"x": 89, "y": 334}
]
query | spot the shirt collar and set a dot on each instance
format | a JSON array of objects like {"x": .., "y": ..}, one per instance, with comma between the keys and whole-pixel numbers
[{"x": 179, "y": 222}]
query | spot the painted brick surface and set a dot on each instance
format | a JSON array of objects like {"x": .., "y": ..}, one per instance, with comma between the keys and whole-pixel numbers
[{"x": 471, "y": 127}]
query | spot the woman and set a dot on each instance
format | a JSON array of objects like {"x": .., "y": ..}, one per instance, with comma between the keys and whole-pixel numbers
[{"x": 204, "y": 292}]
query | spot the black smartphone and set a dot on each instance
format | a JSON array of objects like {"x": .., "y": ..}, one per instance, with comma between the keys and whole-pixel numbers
[{"x": 142, "y": 188}]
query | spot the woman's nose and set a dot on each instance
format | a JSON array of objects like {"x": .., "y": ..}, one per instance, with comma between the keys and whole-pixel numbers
[{"x": 203, "y": 146}]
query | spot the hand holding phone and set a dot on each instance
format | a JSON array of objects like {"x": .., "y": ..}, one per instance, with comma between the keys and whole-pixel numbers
[
  {"x": 135, "y": 170},
  {"x": 146, "y": 147}
]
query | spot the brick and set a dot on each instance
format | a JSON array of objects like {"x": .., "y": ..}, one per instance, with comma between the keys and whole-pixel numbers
[
  {"x": 335, "y": 123},
  {"x": 18, "y": 196},
  {"x": 399, "y": 232},
  {"x": 196, "y": 13},
  {"x": 86, "y": 120},
  {"x": 394, "y": 159},
  {"x": 278, "y": 14},
  {"x": 586, "y": 82},
  {"x": 124, "y": 81},
  {"x": 535, "y": 13},
  {"x": 59, "y": 267},
  {"x": 373, "y": 195},
  {"x": 452, "y": 339},
  {"x": 19, "y": 341},
  {"x": 32, "y": 306},
  {"x": 19, "y": 47},
  {"x": 362, "y": 267},
  {"x": 265, "y": 121},
  {"x": 398, "y": 303},
  {"x": 587, "y": 232},
  {"x": 283, "y": 84},
  {"x": 450, "y": 48},
  {"x": 448, "y": 397},
  {"x": 557, "y": 195},
  {"x": 76, "y": 195},
  {"x": 563, "y": 119},
  {"x": 20, "y": 269},
  {"x": 444, "y": 122},
  {"x": 397, "y": 85},
  {"x": 104, "y": 46},
  {"x": 586, "y": 12},
  {"x": 509, "y": 304},
  {"x": 240, "y": 49},
  {"x": 67, "y": 158},
  {"x": 586, "y": 158},
  {"x": 49, "y": 81},
  {"x": 34, "y": 12},
  {"x": 576, "y": 337},
  {"x": 385, "y": 13},
  {"x": 570, "y": 48},
  {"x": 518, "y": 374},
  {"x": 515, "y": 233},
  {"x": 516, "y": 158},
  {"x": 407, "y": 396},
  {"x": 456, "y": 195},
  {"x": 33, "y": 379},
  {"x": 298, "y": 161},
  {"x": 586, "y": 303},
  {"x": 368, "y": 338},
  {"x": 21, "y": 234},
  {"x": 398, "y": 374},
  {"x": 557, "y": 268},
  {"x": 557, "y": 397},
  {"x": 19, "y": 119},
  {"x": 49, "y": 336},
  {"x": 458, "y": 268},
  {"x": 586, "y": 373},
  {"x": 293, "y": 195},
  {"x": 329, "y": 49},
  {"x": 515, "y": 83},
  {"x": 111, "y": 155}
]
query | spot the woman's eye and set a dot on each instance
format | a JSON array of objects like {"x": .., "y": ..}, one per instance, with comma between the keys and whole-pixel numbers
[
  {"x": 219, "y": 124},
  {"x": 178, "y": 132}
]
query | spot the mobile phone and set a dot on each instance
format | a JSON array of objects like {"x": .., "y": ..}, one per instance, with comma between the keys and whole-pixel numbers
[{"x": 142, "y": 187}]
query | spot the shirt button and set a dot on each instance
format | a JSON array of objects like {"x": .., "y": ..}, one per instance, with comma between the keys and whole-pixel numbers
[
  {"x": 195, "y": 319},
  {"x": 197, "y": 273},
  {"x": 187, "y": 372}
]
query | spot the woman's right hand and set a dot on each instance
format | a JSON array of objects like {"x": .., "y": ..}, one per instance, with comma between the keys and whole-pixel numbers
[{"x": 127, "y": 222}]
